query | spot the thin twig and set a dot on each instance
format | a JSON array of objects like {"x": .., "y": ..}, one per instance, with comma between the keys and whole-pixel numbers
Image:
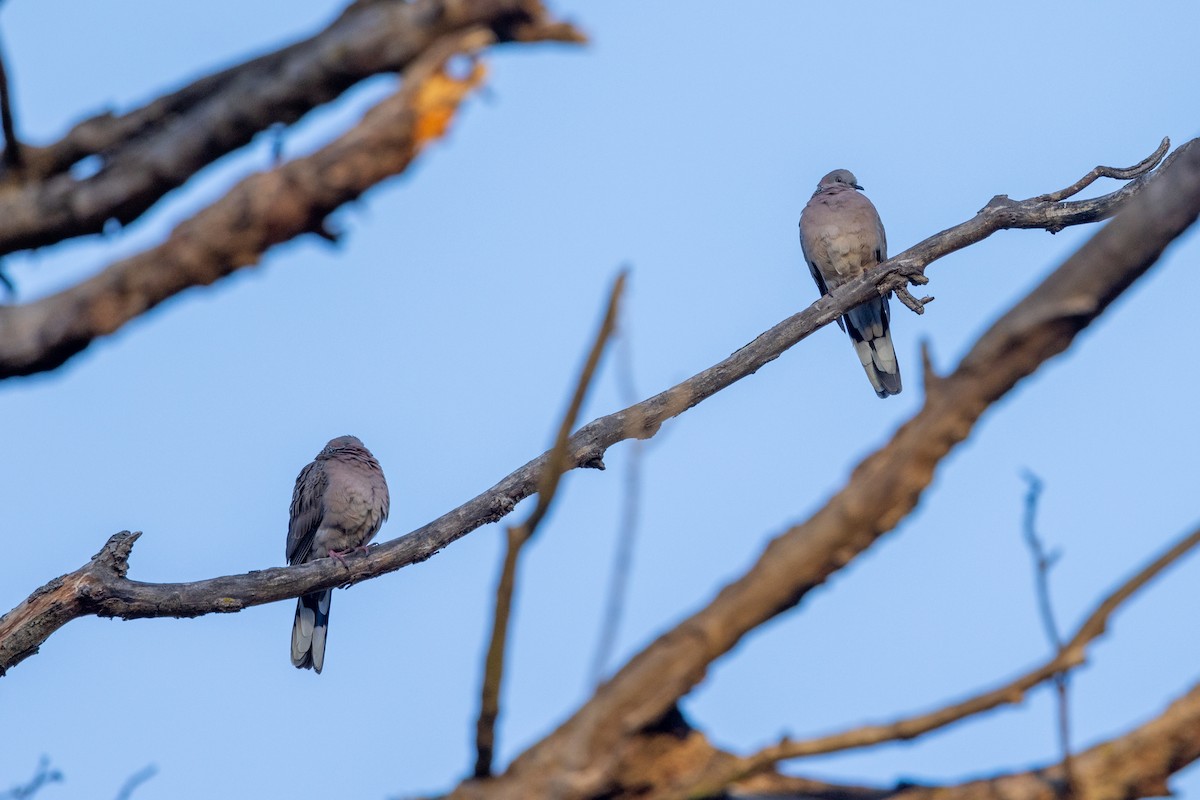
[
  {"x": 1042, "y": 560},
  {"x": 1071, "y": 655},
  {"x": 518, "y": 535},
  {"x": 1120, "y": 173},
  {"x": 12, "y": 146},
  {"x": 630, "y": 514},
  {"x": 1042, "y": 563},
  {"x": 135, "y": 780}
]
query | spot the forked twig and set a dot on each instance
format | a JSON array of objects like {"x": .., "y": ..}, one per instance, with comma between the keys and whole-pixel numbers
[{"x": 1042, "y": 563}]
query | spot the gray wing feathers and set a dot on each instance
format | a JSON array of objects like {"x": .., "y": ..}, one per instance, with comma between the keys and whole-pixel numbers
[{"x": 308, "y": 507}]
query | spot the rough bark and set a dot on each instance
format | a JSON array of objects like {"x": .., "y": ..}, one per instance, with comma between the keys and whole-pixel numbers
[
  {"x": 145, "y": 153},
  {"x": 261, "y": 211}
]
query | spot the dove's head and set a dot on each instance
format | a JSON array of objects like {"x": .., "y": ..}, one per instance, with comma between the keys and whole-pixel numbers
[
  {"x": 342, "y": 443},
  {"x": 839, "y": 177}
]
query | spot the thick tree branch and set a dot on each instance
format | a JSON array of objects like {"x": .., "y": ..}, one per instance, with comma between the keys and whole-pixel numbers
[
  {"x": 40, "y": 336},
  {"x": 517, "y": 536},
  {"x": 261, "y": 211},
  {"x": 1068, "y": 656},
  {"x": 148, "y": 152},
  {"x": 881, "y": 491},
  {"x": 1033, "y": 326}
]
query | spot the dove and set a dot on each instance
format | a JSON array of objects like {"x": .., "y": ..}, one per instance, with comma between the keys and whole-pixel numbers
[
  {"x": 339, "y": 503},
  {"x": 841, "y": 237}
]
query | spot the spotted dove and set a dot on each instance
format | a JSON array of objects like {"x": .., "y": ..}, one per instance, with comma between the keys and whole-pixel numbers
[
  {"x": 841, "y": 236},
  {"x": 340, "y": 501}
]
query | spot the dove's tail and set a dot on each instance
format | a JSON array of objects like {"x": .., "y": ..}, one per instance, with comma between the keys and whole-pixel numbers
[
  {"x": 309, "y": 629},
  {"x": 867, "y": 325}
]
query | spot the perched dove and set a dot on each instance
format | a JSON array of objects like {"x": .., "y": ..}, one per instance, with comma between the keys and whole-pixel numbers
[
  {"x": 339, "y": 503},
  {"x": 841, "y": 236}
]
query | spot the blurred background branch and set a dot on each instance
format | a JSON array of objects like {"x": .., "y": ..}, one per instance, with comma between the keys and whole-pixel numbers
[{"x": 517, "y": 536}]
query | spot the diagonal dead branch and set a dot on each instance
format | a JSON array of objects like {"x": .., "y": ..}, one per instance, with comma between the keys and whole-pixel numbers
[
  {"x": 146, "y": 153},
  {"x": 1068, "y": 656},
  {"x": 518, "y": 536},
  {"x": 259, "y": 212},
  {"x": 42, "y": 335},
  {"x": 1035, "y": 330}
]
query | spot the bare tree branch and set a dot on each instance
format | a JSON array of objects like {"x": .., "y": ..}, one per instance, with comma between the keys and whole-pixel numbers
[
  {"x": 154, "y": 149},
  {"x": 1042, "y": 563},
  {"x": 1067, "y": 656},
  {"x": 881, "y": 491},
  {"x": 41, "y": 336},
  {"x": 261, "y": 211},
  {"x": 518, "y": 536}
]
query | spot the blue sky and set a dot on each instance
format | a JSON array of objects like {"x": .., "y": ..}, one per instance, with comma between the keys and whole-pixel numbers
[{"x": 447, "y": 327}]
